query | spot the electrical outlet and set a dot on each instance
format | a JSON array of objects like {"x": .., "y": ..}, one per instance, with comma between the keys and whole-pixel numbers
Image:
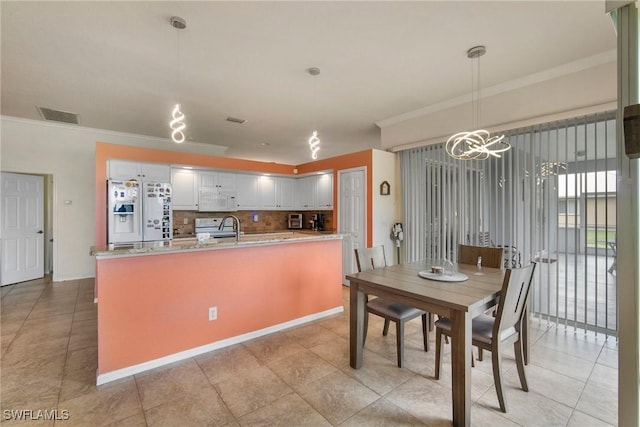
[
  {"x": 213, "y": 313},
  {"x": 185, "y": 221}
]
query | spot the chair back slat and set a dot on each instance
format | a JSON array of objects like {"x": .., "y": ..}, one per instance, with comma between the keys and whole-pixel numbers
[
  {"x": 513, "y": 298},
  {"x": 491, "y": 257},
  {"x": 370, "y": 258}
]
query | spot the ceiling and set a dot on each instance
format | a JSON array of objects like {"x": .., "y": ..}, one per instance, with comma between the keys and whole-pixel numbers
[{"x": 115, "y": 64}]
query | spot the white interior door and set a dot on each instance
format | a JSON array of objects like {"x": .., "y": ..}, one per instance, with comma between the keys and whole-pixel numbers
[
  {"x": 21, "y": 227},
  {"x": 352, "y": 216}
]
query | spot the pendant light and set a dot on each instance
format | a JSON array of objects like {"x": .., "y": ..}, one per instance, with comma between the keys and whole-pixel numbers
[
  {"x": 314, "y": 141},
  {"x": 477, "y": 144},
  {"x": 176, "y": 123}
]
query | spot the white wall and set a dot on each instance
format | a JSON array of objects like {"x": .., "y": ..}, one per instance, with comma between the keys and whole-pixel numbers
[
  {"x": 384, "y": 207},
  {"x": 502, "y": 108},
  {"x": 68, "y": 153}
]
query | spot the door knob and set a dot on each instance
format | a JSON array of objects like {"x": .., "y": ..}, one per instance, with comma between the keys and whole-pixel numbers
[{"x": 40, "y": 231}]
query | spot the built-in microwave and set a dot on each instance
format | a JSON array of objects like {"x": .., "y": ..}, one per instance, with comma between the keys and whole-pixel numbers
[
  {"x": 217, "y": 200},
  {"x": 295, "y": 220}
]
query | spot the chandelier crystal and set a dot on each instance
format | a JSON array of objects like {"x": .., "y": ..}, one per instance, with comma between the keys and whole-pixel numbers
[
  {"x": 176, "y": 123},
  {"x": 477, "y": 144}
]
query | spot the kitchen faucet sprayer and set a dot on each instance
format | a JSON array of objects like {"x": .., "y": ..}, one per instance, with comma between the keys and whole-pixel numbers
[{"x": 236, "y": 225}]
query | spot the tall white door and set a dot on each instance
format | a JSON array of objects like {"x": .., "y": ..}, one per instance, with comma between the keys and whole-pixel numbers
[
  {"x": 21, "y": 227},
  {"x": 352, "y": 216}
]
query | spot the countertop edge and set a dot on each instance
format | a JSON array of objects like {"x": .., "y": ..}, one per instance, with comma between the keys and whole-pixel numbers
[{"x": 102, "y": 252}]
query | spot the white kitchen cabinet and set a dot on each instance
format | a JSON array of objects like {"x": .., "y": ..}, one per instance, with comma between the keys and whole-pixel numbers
[
  {"x": 306, "y": 193},
  {"x": 184, "y": 185},
  {"x": 127, "y": 170},
  {"x": 314, "y": 192},
  {"x": 276, "y": 193},
  {"x": 285, "y": 192},
  {"x": 223, "y": 181},
  {"x": 324, "y": 191},
  {"x": 217, "y": 192},
  {"x": 248, "y": 194}
]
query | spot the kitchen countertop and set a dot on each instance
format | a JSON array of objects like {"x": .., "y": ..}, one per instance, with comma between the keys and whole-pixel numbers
[{"x": 191, "y": 244}]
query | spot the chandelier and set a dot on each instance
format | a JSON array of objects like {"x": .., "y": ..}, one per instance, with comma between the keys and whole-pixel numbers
[
  {"x": 314, "y": 141},
  {"x": 176, "y": 123},
  {"x": 477, "y": 144}
]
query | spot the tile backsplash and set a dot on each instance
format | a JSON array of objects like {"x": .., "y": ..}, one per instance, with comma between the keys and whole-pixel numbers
[{"x": 268, "y": 221}]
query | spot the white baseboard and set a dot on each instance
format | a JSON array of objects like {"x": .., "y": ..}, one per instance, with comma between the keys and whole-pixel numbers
[{"x": 151, "y": 364}]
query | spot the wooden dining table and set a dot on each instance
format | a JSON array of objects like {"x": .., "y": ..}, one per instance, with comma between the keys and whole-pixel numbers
[{"x": 459, "y": 301}]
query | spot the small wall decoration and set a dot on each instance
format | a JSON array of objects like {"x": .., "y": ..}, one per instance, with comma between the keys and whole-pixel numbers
[{"x": 385, "y": 188}]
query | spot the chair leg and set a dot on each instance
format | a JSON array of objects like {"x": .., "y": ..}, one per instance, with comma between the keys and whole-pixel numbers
[
  {"x": 400, "y": 341},
  {"x": 497, "y": 377},
  {"x": 439, "y": 342},
  {"x": 432, "y": 322},
  {"x": 473, "y": 359},
  {"x": 425, "y": 332},
  {"x": 517, "y": 346},
  {"x": 385, "y": 330},
  {"x": 479, "y": 354}
]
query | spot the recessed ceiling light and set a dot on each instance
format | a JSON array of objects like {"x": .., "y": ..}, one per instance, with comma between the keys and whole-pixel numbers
[
  {"x": 236, "y": 120},
  {"x": 265, "y": 144}
]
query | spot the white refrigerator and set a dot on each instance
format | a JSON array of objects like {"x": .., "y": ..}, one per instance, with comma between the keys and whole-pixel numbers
[{"x": 139, "y": 212}]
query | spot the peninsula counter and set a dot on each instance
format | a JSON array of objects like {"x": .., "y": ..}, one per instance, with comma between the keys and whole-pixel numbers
[{"x": 154, "y": 300}]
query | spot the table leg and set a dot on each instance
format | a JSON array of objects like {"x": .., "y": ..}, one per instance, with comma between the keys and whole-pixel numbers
[
  {"x": 356, "y": 325},
  {"x": 461, "y": 367}
]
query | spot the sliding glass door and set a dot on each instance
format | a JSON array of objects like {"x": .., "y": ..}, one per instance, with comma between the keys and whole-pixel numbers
[{"x": 550, "y": 199}]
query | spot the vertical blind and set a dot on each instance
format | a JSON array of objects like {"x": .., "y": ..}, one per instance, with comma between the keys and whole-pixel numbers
[{"x": 550, "y": 199}]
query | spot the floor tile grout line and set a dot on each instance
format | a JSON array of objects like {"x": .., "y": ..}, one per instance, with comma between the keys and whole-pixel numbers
[
  {"x": 144, "y": 413},
  {"x": 213, "y": 386},
  {"x": 47, "y": 283},
  {"x": 66, "y": 358}
]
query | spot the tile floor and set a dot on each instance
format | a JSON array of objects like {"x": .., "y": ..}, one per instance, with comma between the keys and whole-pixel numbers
[{"x": 298, "y": 377}]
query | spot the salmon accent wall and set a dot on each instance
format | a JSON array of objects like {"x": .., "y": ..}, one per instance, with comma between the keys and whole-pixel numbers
[
  {"x": 157, "y": 305},
  {"x": 348, "y": 161},
  {"x": 106, "y": 151}
]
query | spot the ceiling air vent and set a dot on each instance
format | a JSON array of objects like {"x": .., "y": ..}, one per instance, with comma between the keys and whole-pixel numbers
[
  {"x": 58, "y": 116},
  {"x": 236, "y": 120}
]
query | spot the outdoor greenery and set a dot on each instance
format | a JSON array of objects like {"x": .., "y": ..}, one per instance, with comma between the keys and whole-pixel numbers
[{"x": 599, "y": 238}]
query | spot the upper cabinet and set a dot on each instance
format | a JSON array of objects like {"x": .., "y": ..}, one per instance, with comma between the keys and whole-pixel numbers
[
  {"x": 315, "y": 192},
  {"x": 184, "y": 183},
  {"x": 324, "y": 191},
  {"x": 277, "y": 193},
  {"x": 306, "y": 193},
  {"x": 222, "y": 181},
  {"x": 217, "y": 191},
  {"x": 248, "y": 196},
  {"x": 127, "y": 170}
]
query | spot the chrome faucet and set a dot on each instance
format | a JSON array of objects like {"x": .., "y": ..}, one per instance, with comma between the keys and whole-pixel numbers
[{"x": 236, "y": 225}]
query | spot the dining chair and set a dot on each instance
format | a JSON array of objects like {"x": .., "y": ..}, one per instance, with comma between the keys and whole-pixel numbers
[
  {"x": 368, "y": 259},
  {"x": 491, "y": 257},
  {"x": 493, "y": 333}
]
